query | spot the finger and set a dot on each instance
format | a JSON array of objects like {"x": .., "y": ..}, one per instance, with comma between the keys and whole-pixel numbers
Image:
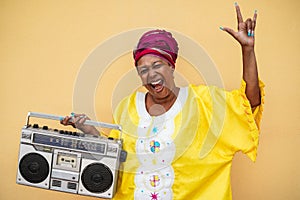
[
  {"x": 62, "y": 121},
  {"x": 79, "y": 119},
  {"x": 65, "y": 120},
  {"x": 254, "y": 20},
  {"x": 238, "y": 13},
  {"x": 249, "y": 26},
  {"x": 80, "y": 116},
  {"x": 229, "y": 30},
  {"x": 75, "y": 114},
  {"x": 76, "y": 119},
  {"x": 82, "y": 119}
]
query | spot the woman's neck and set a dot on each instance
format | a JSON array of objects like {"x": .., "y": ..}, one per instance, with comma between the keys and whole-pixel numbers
[{"x": 156, "y": 107}]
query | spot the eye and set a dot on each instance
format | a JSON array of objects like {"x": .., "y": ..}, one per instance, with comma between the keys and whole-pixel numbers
[
  {"x": 143, "y": 71},
  {"x": 158, "y": 65}
]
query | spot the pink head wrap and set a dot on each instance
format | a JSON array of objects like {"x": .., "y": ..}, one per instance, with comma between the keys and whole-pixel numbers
[{"x": 159, "y": 43}]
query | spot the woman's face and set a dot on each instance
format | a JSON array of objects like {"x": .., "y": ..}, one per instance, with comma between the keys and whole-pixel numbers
[{"x": 156, "y": 75}]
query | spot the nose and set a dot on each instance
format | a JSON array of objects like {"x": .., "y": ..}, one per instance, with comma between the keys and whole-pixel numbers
[{"x": 152, "y": 72}]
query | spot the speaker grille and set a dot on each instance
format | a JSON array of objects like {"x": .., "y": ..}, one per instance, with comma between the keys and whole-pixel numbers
[
  {"x": 97, "y": 178},
  {"x": 34, "y": 168}
]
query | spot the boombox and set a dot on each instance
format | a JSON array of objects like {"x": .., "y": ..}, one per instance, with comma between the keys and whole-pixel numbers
[{"x": 68, "y": 161}]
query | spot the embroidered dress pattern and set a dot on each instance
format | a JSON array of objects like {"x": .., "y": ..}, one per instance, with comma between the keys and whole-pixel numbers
[{"x": 155, "y": 150}]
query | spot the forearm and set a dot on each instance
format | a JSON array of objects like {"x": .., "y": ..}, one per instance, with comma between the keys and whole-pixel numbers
[{"x": 250, "y": 76}]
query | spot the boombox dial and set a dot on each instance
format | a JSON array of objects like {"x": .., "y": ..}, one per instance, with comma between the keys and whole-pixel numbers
[{"x": 69, "y": 161}]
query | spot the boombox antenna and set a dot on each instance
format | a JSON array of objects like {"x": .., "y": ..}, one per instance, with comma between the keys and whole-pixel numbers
[{"x": 58, "y": 118}]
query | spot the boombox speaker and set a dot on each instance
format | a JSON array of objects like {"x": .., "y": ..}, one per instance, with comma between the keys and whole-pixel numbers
[{"x": 67, "y": 161}]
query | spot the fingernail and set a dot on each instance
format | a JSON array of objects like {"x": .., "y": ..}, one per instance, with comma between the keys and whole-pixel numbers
[
  {"x": 249, "y": 32},
  {"x": 235, "y": 4},
  {"x": 72, "y": 114},
  {"x": 61, "y": 118},
  {"x": 252, "y": 34},
  {"x": 255, "y": 11},
  {"x": 221, "y": 27}
]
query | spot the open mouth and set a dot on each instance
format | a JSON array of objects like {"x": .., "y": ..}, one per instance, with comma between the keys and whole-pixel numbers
[{"x": 157, "y": 85}]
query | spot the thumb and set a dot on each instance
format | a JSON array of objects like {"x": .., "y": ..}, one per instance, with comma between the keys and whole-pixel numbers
[{"x": 229, "y": 30}]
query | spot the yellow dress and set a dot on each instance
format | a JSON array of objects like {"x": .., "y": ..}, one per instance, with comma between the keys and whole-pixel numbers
[{"x": 187, "y": 152}]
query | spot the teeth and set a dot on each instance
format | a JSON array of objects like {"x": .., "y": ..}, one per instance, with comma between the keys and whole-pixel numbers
[{"x": 156, "y": 82}]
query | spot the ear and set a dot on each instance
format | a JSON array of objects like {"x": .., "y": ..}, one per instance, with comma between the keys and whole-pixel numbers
[
  {"x": 173, "y": 69},
  {"x": 171, "y": 66}
]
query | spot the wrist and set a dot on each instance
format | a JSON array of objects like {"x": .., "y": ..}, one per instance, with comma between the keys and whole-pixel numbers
[
  {"x": 247, "y": 48},
  {"x": 93, "y": 131},
  {"x": 87, "y": 129}
]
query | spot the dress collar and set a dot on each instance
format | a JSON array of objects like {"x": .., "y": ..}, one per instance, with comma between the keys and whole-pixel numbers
[{"x": 171, "y": 113}]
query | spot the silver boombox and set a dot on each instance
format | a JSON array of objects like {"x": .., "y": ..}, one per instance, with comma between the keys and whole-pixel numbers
[{"x": 69, "y": 161}]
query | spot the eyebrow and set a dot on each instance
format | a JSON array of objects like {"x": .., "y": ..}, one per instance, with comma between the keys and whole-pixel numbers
[{"x": 155, "y": 62}]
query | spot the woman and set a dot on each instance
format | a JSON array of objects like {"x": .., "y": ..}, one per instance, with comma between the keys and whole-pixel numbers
[{"x": 181, "y": 141}]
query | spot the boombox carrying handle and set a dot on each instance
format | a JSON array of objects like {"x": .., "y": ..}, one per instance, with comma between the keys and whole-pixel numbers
[{"x": 87, "y": 122}]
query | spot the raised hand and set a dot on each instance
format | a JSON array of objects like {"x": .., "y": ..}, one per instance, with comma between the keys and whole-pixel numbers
[
  {"x": 245, "y": 33},
  {"x": 245, "y": 36}
]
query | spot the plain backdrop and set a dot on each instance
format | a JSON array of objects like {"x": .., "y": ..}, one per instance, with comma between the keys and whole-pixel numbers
[{"x": 44, "y": 44}]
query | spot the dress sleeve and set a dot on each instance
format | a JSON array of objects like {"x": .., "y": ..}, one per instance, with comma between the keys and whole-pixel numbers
[
  {"x": 243, "y": 125},
  {"x": 126, "y": 116},
  {"x": 117, "y": 118}
]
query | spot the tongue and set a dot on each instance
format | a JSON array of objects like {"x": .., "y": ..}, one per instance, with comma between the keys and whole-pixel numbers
[{"x": 158, "y": 87}]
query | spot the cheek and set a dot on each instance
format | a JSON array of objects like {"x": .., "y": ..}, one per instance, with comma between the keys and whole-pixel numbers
[
  {"x": 143, "y": 80},
  {"x": 169, "y": 76}
]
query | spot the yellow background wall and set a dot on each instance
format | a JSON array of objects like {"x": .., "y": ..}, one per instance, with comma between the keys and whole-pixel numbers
[{"x": 44, "y": 43}]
